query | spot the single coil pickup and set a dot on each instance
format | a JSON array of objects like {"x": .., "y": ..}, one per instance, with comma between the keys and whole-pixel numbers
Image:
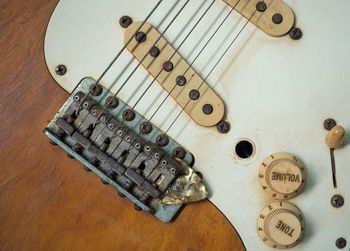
[
  {"x": 118, "y": 150},
  {"x": 175, "y": 75}
]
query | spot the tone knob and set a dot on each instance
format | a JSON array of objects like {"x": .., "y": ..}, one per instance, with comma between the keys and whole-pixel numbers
[
  {"x": 282, "y": 175},
  {"x": 281, "y": 225}
]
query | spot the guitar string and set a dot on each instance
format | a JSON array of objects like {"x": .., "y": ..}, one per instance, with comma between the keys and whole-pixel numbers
[
  {"x": 177, "y": 49},
  {"x": 119, "y": 53},
  {"x": 145, "y": 56},
  {"x": 131, "y": 145},
  {"x": 154, "y": 44},
  {"x": 195, "y": 59},
  {"x": 216, "y": 64},
  {"x": 196, "y": 24},
  {"x": 198, "y": 56}
]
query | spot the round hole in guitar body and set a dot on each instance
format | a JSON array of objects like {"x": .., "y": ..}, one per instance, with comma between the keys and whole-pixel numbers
[{"x": 244, "y": 149}]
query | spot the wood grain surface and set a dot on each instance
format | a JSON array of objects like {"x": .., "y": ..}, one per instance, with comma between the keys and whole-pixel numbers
[{"x": 47, "y": 201}]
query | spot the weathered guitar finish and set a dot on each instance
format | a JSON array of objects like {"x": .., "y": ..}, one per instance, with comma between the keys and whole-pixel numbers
[
  {"x": 48, "y": 201},
  {"x": 282, "y": 98}
]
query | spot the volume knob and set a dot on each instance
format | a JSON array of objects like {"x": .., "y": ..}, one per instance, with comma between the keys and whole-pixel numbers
[
  {"x": 281, "y": 225},
  {"x": 282, "y": 175}
]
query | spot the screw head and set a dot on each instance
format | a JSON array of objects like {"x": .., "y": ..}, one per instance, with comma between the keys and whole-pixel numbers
[
  {"x": 181, "y": 80},
  {"x": 145, "y": 127},
  {"x": 111, "y": 102},
  {"x": 105, "y": 182},
  {"x": 162, "y": 140},
  {"x": 87, "y": 169},
  {"x": 179, "y": 152},
  {"x": 154, "y": 51},
  {"x": 125, "y": 21},
  {"x": 194, "y": 94},
  {"x": 121, "y": 195},
  {"x": 140, "y": 37},
  {"x": 337, "y": 201},
  {"x": 329, "y": 123},
  {"x": 61, "y": 70},
  {"x": 223, "y": 127},
  {"x": 340, "y": 243},
  {"x": 70, "y": 156},
  {"x": 53, "y": 142},
  {"x": 207, "y": 109},
  {"x": 103, "y": 118},
  {"x": 168, "y": 66},
  {"x": 96, "y": 90},
  {"x": 148, "y": 148},
  {"x": 110, "y": 126},
  {"x": 137, "y": 207},
  {"x": 277, "y": 18},
  {"x": 128, "y": 115},
  {"x": 295, "y": 33},
  {"x": 261, "y": 6}
]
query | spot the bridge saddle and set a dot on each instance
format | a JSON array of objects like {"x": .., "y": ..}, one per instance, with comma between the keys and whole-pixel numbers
[{"x": 115, "y": 149}]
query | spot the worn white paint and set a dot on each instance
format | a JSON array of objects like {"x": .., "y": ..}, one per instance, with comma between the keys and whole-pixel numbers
[{"x": 277, "y": 93}]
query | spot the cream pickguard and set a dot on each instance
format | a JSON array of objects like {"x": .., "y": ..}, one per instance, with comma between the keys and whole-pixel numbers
[{"x": 277, "y": 93}]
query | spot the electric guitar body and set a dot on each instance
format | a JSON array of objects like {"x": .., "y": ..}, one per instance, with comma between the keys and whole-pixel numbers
[{"x": 255, "y": 94}]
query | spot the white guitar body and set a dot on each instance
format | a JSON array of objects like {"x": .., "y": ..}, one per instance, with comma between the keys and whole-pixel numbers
[{"x": 277, "y": 93}]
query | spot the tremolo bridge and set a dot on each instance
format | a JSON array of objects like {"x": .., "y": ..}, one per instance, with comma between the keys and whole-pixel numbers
[{"x": 125, "y": 153}]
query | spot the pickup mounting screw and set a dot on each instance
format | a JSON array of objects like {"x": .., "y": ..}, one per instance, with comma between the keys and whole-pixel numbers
[
  {"x": 340, "y": 243},
  {"x": 111, "y": 102},
  {"x": 154, "y": 51},
  {"x": 125, "y": 21},
  {"x": 162, "y": 140},
  {"x": 277, "y": 18},
  {"x": 337, "y": 201},
  {"x": 223, "y": 127},
  {"x": 96, "y": 90},
  {"x": 140, "y": 37},
  {"x": 61, "y": 70},
  {"x": 328, "y": 124},
  {"x": 194, "y": 95},
  {"x": 261, "y": 6},
  {"x": 181, "y": 80},
  {"x": 295, "y": 33},
  {"x": 128, "y": 115},
  {"x": 179, "y": 152},
  {"x": 207, "y": 109},
  {"x": 168, "y": 66},
  {"x": 145, "y": 127}
]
